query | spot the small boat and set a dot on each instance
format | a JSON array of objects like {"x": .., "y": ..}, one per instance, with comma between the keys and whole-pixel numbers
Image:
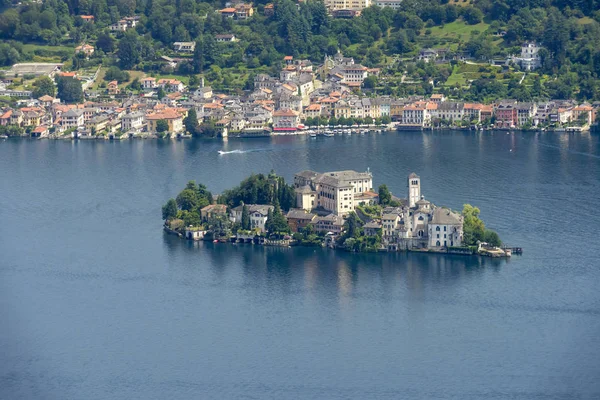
[
  {"x": 313, "y": 135},
  {"x": 215, "y": 241},
  {"x": 3, "y": 137},
  {"x": 329, "y": 134}
]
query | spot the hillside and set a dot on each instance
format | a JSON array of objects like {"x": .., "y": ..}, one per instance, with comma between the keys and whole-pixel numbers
[{"x": 471, "y": 31}]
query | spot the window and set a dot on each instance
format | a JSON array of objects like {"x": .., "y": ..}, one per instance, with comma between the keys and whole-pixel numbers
[
  {"x": 437, "y": 243},
  {"x": 438, "y": 235},
  {"x": 444, "y": 229},
  {"x": 437, "y": 228}
]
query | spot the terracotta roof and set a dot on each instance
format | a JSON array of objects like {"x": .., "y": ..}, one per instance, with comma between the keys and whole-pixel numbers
[
  {"x": 45, "y": 98},
  {"x": 40, "y": 129},
  {"x": 227, "y": 10},
  {"x": 284, "y": 113},
  {"x": 288, "y": 58},
  {"x": 166, "y": 114}
]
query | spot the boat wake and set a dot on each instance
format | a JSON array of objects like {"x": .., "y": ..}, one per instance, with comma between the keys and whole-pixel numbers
[{"x": 221, "y": 152}]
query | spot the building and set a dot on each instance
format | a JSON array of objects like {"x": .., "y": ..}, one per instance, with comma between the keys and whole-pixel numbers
[
  {"x": 240, "y": 11},
  {"x": 584, "y": 113},
  {"x": 506, "y": 114},
  {"x": 72, "y": 119},
  {"x": 331, "y": 191},
  {"x": 133, "y": 122},
  {"x": 427, "y": 55},
  {"x": 257, "y": 212},
  {"x": 418, "y": 113},
  {"x": 227, "y": 37},
  {"x": 299, "y": 219},
  {"x": 40, "y": 131},
  {"x": 525, "y": 113},
  {"x": 213, "y": 211},
  {"x": 285, "y": 120},
  {"x": 171, "y": 116},
  {"x": 171, "y": 85},
  {"x": 445, "y": 228},
  {"x": 269, "y": 10},
  {"x": 530, "y": 58},
  {"x": 353, "y": 5},
  {"x": 449, "y": 111},
  {"x": 328, "y": 224},
  {"x": 113, "y": 88},
  {"x": 149, "y": 83},
  {"x": 184, "y": 47},
  {"x": 395, "y": 4},
  {"x": 85, "y": 49}
]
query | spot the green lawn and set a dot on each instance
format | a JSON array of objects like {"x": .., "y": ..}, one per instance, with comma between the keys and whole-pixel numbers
[
  {"x": 457, "y": 30},
  {"x": 53, "y": 49}
]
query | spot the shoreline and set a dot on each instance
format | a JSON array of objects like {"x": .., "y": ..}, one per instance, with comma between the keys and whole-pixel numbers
[
  {"x": 336, "y": 132},
  {"x": 262, "y": 241}
]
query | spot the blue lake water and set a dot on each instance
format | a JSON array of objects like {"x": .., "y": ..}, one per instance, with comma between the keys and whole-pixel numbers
[{"x": 96, "y": 302}]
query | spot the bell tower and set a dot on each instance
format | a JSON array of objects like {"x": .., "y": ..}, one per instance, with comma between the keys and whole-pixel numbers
[{"x": 414, "y": 189}]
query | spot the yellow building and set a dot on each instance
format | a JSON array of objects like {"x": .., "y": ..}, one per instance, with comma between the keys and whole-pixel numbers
[{"x": 173, "y": 118}]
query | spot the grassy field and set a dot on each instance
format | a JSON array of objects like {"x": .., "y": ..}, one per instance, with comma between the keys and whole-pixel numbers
[
  {"x": 463, "y": 73},
  {"x": 458, "y": 30},
  {"x": 52, "y": 49},
  {"x": 585, "y": 21}
]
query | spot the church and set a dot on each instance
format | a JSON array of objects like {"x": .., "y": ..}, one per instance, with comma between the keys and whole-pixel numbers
[{"x": 417, "y": 223}]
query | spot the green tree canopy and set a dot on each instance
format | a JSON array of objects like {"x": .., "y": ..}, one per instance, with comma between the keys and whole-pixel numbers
[
  {"x": 162, "y": 126},
  {"x": 385, "y": 197},
  {"x": 69, "y": 90},
  {"x": 44, "y": 86},
  {"x": 169, "y": 210}
]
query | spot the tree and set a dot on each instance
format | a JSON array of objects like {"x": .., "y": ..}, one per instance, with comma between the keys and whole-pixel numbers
[
  {"x": 370, "y": 82},
  {"x": 385, "y": 197},
  {"x": 352, "y": 225},
  {"x": 169, "y": 210},
  {"x": 492, "y": 238},
  {"x": 161, "y": 93},
  {"x": 245, "y": 218},
  {"x": 105, "y": 42},
  {"x": 115, "y": 74},
  {"x": 187, "y": 200},
  {"x": 276, "y": 222},
  {"x": 44, "y": 86},
  {"x": 191, "y": 122},
  {"x": 129, "y": 50},
  {"x": 473, "y": 227},
  {"x": 162, "y": 126},
  {"x": 69, "y": 90}
]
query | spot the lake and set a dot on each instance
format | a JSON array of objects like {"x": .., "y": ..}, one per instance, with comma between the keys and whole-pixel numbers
[{"x": 96, "y": 302}]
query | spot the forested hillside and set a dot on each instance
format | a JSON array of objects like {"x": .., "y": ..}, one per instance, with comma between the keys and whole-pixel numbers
[{"x": 569, "y": 31}]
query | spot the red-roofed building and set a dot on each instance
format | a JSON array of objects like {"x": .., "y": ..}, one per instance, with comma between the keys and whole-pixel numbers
[{"x": 285, "y": 121}]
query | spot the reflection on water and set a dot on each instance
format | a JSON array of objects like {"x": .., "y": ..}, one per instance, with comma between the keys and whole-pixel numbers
[{"x": 326, "y": 272}]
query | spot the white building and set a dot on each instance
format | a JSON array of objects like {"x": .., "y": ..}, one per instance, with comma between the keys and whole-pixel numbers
[
  {"x": 395, "y": 4},
  {"x": 184, "y": 47},
  {"x": 530, "y": 58},
  {"x": 332, "y": 191},
  {"x": 257, "y": 212},
  {"x": 356, "y": 5},
  {"x": 133, "y": 122},
  {"x": 445, "y": 228},
  {"x": 72, "y": 119}
]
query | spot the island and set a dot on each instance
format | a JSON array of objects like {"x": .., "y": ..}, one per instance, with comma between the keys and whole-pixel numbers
[{"x": 336, "y": 209}]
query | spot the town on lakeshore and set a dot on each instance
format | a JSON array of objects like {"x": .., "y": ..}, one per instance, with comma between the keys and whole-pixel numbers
[
  {"x": 336, "y": 209},
  {"x": 305, "y": 98}
]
